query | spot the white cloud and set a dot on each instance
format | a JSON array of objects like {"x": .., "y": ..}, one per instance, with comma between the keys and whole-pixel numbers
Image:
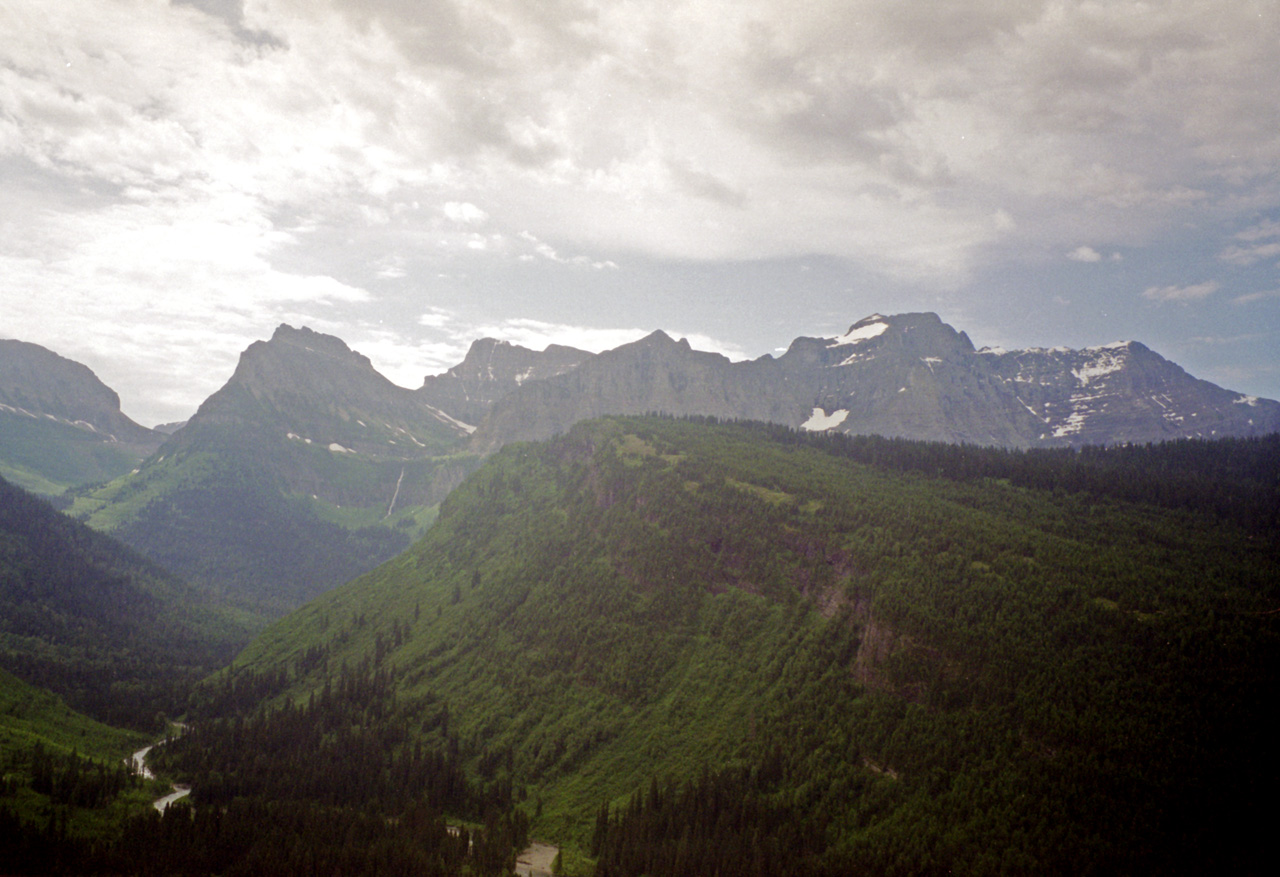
[
  {"x": 1253, "y": 297},
  {"x": 464, "y": 212},
  {"x": 328, "y": 157},
  {"x": 1251, "y": 254},
  {"x": 1195, "y": 292}
]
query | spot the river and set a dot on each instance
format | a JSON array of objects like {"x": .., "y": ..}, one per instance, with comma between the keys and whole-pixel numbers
[{"x": 139, "y": 761}]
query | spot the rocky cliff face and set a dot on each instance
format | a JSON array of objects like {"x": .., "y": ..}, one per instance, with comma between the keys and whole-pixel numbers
[
  {"x": 1124, "y": 392},
  {"x": 307, "y": 387},
  {"x": 909, "y": 376},
  {"x": 654, "y": 374},
  {"x": 60, "y": 426},
  {"x": 38, "y": 383},
  {"x": 491, "y": 370}
]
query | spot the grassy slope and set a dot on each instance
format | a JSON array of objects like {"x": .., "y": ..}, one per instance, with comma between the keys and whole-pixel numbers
[
  {"x": 954, "y": 666},
  {"x": 47, "y": 457},
  {"x": 221, "y": 515},
  {"x": 29, "y": 715}
]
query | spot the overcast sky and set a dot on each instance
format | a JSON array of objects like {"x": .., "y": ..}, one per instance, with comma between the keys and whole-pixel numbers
[{"x": 176, "y": 179}]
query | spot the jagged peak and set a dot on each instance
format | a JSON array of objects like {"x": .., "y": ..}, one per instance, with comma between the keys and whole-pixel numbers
[
  {"x": 920, "y": 326},
  {"x": 863, "y": 330},
  {"x": 1116, "y": 345},
  {"x": 310, "y": 341},
  {"x": 655, "y": 340}
]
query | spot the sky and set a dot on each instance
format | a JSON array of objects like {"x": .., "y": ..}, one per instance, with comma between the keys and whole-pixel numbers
[{"x": 179, "y": 178}]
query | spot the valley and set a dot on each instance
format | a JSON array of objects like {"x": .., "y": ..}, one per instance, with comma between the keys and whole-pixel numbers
[{"x": 883, "y": 604}]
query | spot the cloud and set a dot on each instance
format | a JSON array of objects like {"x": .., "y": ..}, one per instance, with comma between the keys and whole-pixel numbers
[
  {"x": 538, "y": 334},
  {"x": 1259, "y": 244},
  {"x": 1245, "y": 256},
  {"x": 1268, "y": 228},
  {"x": 854, "y": 129},
  {"x": 464, "y": 212},
  {"x": 220, "y": 163},
  {"x": 1253, "y": 297},
  {"x": 1181, "y": 293}
]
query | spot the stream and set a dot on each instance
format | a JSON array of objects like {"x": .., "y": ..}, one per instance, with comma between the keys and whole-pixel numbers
[
  {"x": 533, "y": 862},
  {"x": 139, "y": 760}
]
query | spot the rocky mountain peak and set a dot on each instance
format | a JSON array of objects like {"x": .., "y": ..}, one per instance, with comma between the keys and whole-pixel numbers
[
  {"x": 36, "y": 382},
  {"x": 908, "y": 375},
  {"x": 307, "y": 387},
  {"x": 307, "y": 341},
  {"x": 491, "y": 370}
]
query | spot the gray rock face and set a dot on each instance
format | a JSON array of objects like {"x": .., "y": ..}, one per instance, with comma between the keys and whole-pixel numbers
[
  {"x": 310, "y": 388},
  {"x": 36, "y": 382},
  {"x": 654, "y": 374},
  {"x": 1125, "y": 393},
  {"x": 320, "y": 421},
  {"x": 491, "y": 370},
  {"x": 909, "y": 376}
]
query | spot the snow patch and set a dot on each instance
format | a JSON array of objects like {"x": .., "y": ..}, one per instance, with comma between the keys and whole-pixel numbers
[
  {"x": 1251, "y": 401},
  {"x": 1104, "y": 364},
  {"x": 339, "y": 449},
  {"x": 820, "y": 420},
  {"x": 864, "y": 332},
  {"x": 1034, "y": 413},
  {"x": 452, "y": 421},
  {"x": 1074, "y": 424}
]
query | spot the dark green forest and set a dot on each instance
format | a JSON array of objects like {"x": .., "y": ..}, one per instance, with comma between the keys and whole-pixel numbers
[
  {"x": 917, "y": 657},
  {"x": 118, "y": 637},
  {"x": 691, "y": 647}
]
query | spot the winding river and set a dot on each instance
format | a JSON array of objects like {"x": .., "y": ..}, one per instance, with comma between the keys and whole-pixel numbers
[{"x": 139, "y": 760}]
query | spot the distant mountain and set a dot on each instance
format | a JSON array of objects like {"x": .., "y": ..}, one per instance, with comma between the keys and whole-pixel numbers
[
  {"x": 491, "y": 370},
  {"x": 305, "y": 469},
  {"x": 829, "y": 654},
  {"x": 90, "y": 619},
  {"x": 654, "y": 374},
  {"x": 908, "y": 376},
  {"x": 309, "y": 467},
  {"x": 61, "y": 426}
]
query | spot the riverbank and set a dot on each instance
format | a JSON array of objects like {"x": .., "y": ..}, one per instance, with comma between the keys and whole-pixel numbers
[{"x": 139, "y": 762}]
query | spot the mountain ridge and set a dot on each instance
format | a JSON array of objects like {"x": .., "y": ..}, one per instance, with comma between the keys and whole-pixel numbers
[
  {"x": 909, "y": 376},
  {"x": 304, "y": 469},
  {"x": 60, "y": 425}
]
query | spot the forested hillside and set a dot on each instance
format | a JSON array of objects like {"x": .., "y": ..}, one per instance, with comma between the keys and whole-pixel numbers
[
  {"x": 83, "y": 616},
  {"x": 672, "y": 638}
]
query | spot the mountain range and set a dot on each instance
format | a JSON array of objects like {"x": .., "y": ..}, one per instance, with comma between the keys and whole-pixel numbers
[
  {"x": 309, "y": 467},
  {"x": 908, "y": 376},
  {"x": 671, "y": 644}
]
